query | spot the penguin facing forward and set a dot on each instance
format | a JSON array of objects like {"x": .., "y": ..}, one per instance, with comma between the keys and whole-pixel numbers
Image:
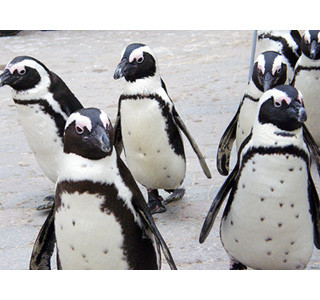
[
  {"x": 286, "y": 42},
  {"x": 101, "y": 220},
  {"x": 270, "y": 69},
  {"x": 44, "y": 103},
  {"x": 307, "y": 79},
  {"x": 148, "y": 126},
  {"x": 272, "y": 217}
]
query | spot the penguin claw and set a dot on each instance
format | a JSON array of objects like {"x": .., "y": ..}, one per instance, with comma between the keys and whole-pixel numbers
[
  {"x": 175, "y": 196},
  {"x": 156, "y": 207}
]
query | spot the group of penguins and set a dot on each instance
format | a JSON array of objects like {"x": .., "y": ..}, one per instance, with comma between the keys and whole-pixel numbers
[{"x": 98, "y": 216}]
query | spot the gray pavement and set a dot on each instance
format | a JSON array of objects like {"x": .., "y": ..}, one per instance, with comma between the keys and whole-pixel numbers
[{"x": 205, "y": 73}]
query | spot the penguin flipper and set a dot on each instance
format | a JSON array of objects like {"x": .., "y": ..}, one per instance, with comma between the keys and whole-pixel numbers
[
  {"x": 44, "y": 245},
  {"x": 193, "y": 143},
  {"x": 142, "y": 208},
  {"x": 226, "y": 144},
  {"x": 315, "y": 210},
  {"x": 118, "y": 136},
  {"x": 311, "y": 143},
  {"x": 216, "y": 204}
]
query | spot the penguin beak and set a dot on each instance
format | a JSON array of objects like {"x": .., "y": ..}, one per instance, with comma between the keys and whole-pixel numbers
[
  {"x": 314, "y": 49},
  {"x": 100, "y": 139},
  {"x": 268, "y": 82},
  {"x": 5, "y": 78},
  {"x": 302, "y": 115},
  {"x": 122, "y": 69}
]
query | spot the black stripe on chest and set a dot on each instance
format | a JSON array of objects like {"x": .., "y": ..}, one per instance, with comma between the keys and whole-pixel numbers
[
  {"x": 137, "y": 247},
  {"x": 302, "y": 68},
  {"x": 172, "y": 130},
  {"x": 46, "y": 108},
  {"x": 288, "y": 150},
  {"x": 247, "y": 96}
]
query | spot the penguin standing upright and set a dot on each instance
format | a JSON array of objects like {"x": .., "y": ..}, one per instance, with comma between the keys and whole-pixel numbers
[
  {"x": 148, "y": 127},
  {"x": 272, "y": 217},
  {"x": 307, "y": 79},
  {"x": 270, "y": 69},
  {"x": 44, "y": 102},
  {"x": 101, "y": 218},
  {"x": 286, "y": 42}
]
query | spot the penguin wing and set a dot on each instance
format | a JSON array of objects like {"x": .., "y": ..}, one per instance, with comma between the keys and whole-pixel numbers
[
  {"x": 311, "y": 143},
  {"x": 216, "y": 204},
  {"x": 117, "y": 135},
  {"x": 226, "y": 143},
  {"x": 44, "y": 245},
  {"x": 193, "y": 143},
  {"x": 142, "y": 208},
  {"x": 314, "y": 210}
]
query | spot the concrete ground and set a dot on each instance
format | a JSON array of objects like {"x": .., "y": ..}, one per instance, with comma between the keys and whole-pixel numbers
[{"x": 206, "y": 74}]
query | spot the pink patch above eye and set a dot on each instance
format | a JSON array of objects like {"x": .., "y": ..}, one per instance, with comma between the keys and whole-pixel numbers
[
  {"x": 104, "y": 119},
  {"x": 84, "y": 123},
  {"x": 282, "y": 98},
  {"x": 14, "y": 68}
]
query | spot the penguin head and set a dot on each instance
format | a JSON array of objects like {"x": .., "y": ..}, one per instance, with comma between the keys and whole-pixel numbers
[
  {"x": 138, "y": 61},
  {"x": 283, "y": 107},
  {"x": 270, "y": 70},
  {"x": 24, "y": 73},
  {"x": 89, "y": 133},
  {"x": 310, "y": 44}
]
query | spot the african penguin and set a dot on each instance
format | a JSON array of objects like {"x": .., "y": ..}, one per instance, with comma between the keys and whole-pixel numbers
[
  {"x": 286, "y": 42},
  {"x": 148, "y": 126},
  {"x": 270, "y": 69},
  {"x": 44, "y": 102},
  {"x": 101, "y": 219},
  {"x": 307, "y": 79},
  {"x": 272, "y": 217}
]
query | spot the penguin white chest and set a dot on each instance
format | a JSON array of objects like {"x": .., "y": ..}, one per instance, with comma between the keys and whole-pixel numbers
[
  {"x": 88, "y": 238},
  {"x": 149, "y": 155},
  {"x": 308, "y": 82},
  {"x": 246, "y": 117},
  {"x": 42, "y": 136},
  {"x": 269, "y": 225}
]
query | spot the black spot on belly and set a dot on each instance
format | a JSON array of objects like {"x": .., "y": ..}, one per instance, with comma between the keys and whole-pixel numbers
[
  {"x": 243, "y": 186},
  {"x": 286, "y": 253},
  {"x": 300, "y": 169},
  {"x": 291, "y": 169},
  {"x": 276, "y": 143},
  {"x": 253, "y": 170},
  {"x": 84, "y": 256},
  {"x": 292, "y": 205},
  {"x": 105, "y": 251},
  {"x": 297, "y": 216},
  {"x": 73, "y": 223},
  {"x": 261, "y": 199},
  {"x": 269, "y": 252},
  {"x": 61, "y": 227},
  {"x": 158, "y": 151},
  {"x": 231, "y": 222},
  {"x": 236, "y": 240},
  {"x": 280, "y": 204},
  {"x": 284, "y": 261},
  {"x": 168, "y": 176},
  {"x": 261, "y": 219},
  {"x": 281, "y": 181},
  {"x": 272, "y": 189},
  {"x": 268, "y": 239},
  {"x": 292, "y": 243},
  {"x": 279, "y": 225},
  {"x": 72, "y": 248}
]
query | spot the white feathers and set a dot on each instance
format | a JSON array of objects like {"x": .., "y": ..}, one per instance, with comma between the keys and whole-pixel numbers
[{"x": 81, "y": 121}]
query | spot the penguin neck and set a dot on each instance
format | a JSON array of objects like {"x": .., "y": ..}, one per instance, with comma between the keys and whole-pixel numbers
[
  {"x": 267, "y": 135},
  {"x": 308, "y": 62},
  {"x": 143, "y": 86},
  {"x": 253, "y": 91},
  {"x": 77, "y": 168}
]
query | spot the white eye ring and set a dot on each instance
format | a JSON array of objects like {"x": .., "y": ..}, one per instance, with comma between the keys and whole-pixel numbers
[
  {"x": 140, "y": 59},
  {"x": 79, "y": 129},
  {"x": 277, "y": 104},
  {"x": 278, "y": 71},
  {"x": 22, "y": 72}
]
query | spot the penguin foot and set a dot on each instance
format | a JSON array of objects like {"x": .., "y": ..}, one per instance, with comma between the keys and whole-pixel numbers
[
  {"x": 176, "y": 195},
  {"x": 50, "y": 202},
  {"x": 236, "y": 265},
  {"x": 156, "y": 206}
]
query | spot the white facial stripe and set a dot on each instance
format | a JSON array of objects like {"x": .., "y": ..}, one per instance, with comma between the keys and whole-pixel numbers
[
  {"x": 307, "y": 36},
  {"x": 277, "y": 95},
  {"x": 261, "y": 63},
  {"x": 139, "y": 52},
  {"x": 81, "y": 121},
  {"x": 300, "y": 97},
  {"x": 104, "y": 119},
  {"x": 15, "y": 67},
  {"x": 26, "y": 63},
  {"x": 277, "y": 64},
  {"x": 319, "y": 37}
]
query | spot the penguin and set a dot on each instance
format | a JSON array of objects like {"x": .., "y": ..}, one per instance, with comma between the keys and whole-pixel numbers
[
  {"x": 270, "y": 69},
  {"x": 272, "y": 217},
  {"x": 148, "y": 128},
  {"x": 307, "y": 79},
  {"x": 286, "y": 42},
  {"x": 101, "y": 219},
  {"x": 44, "y": 103}
]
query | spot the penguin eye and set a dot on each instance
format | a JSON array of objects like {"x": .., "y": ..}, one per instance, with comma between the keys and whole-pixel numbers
[
  {"x": 22, "y": 71},
  {"x": 140, "y": 59},
  {"x": 277, "y": 104},
  {"x": 79, "y": 129},
  {"x": 278, "y": 71}
]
